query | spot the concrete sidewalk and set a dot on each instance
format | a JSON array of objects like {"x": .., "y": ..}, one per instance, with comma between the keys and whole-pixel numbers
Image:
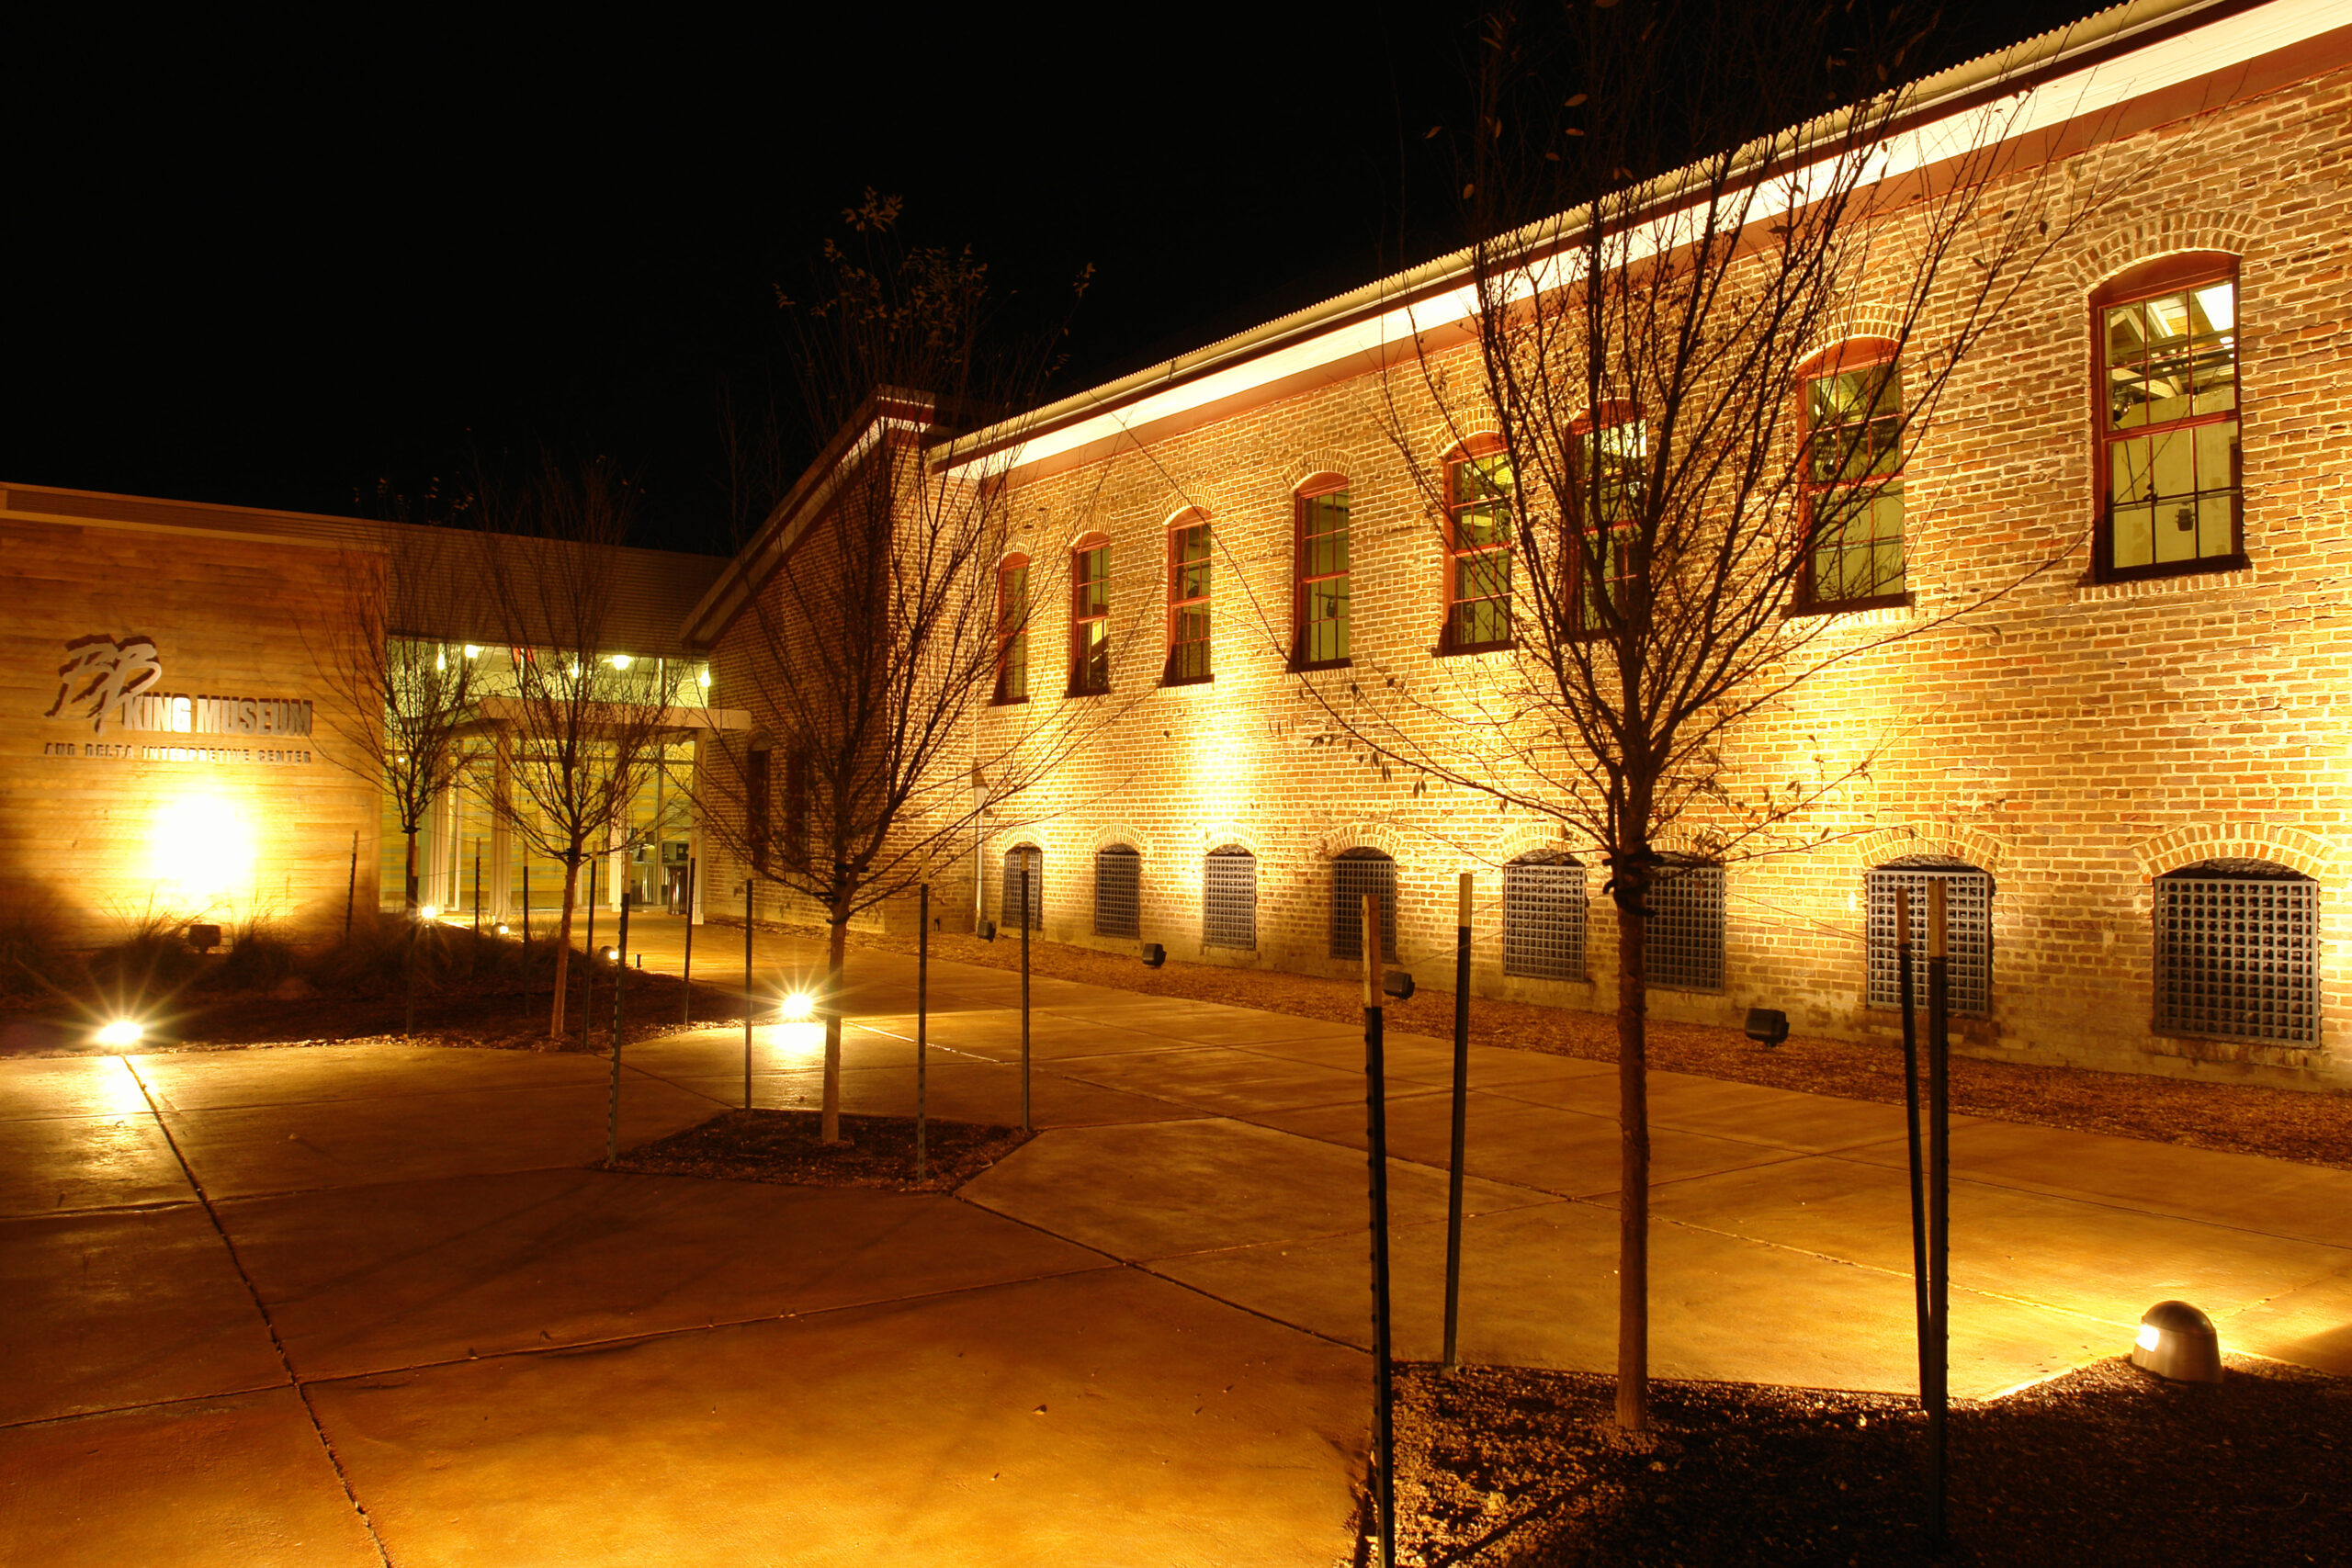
[{"x": 372, "y": 1305}]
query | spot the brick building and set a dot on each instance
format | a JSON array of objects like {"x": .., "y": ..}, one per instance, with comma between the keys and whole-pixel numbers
[{"x": 2130, "y": 773}]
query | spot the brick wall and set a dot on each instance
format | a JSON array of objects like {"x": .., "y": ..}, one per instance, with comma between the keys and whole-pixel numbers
[{"x": 2073, "y": 740}]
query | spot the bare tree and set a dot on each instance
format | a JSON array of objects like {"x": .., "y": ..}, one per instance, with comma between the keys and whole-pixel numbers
[
  {"x": 1663, "y": 464},
  {"x": 885, "y": 610},
  {"x": 582, "y": 726},
  {"x": 405, "y": 703}
]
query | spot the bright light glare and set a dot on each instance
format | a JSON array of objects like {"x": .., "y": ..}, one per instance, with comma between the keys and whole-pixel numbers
[
  {"x": 473, "y": 651},
  {"x": 2148, "y": 1336},
  {"x": 201, "y": 851},
  {"x": 796, "y": 1007},
  {"x": 501, "y": 928},
  {"x": 121, "y": 1033},
  {"x": 431, "y": 912},
  {"x": 620, "y": 660},
  {"x": 702, "y": 678}
]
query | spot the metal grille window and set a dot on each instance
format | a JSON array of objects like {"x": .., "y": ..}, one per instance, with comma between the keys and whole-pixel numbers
[
  {"x": 2237, "y": 952},
  {"x": 1229, "y": 900},
  {"x": 1015, "y": 859},
  {"x": 1118, "y": 892},
  {"x": 1967, "y": 932},
  {"x": 1684, "y": 942},
  {"x": 1355, "y": 872},
  {"x": 1544, "y": 917}
]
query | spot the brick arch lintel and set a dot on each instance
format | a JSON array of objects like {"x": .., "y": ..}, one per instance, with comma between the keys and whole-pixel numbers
[
  {"x": 1382, "y": 836},
  {"x": 2205, "y": 229},
  {"x": 1316, "y": 460},
  {"x": 1976, "y": 847},
  {"x": 1220, "y": 835},
  {"x": 1111, "y": 833},
  {"x": 1860, "y": 321},
  {"x": 1526, "y": 838},
  {"x": 2291, "y": 846}
]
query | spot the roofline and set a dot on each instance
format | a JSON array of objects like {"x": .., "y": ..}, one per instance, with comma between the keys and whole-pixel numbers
[
  {"x": 884, "y": 410},
  {"x": 106, "y": 509},
  {"x": 2057, "y": 77}
]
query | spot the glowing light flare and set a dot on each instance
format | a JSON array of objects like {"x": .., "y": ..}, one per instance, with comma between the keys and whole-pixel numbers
[
  {"x": 121, "y": 1035},
  {"x": 200, "y": 851},
  {"x": 620, "y": 660},
  {"x": 2149, "y": 1337},
  {"x": 430, "y": 912},
  {"x": 797, "y": 1006}
]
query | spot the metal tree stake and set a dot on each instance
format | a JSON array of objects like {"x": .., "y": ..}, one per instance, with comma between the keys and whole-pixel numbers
[
  {"x": 922, "y": 1014},
  {"x": 686, "y": 969},
  {"x": 1461, "y": 1121},
  {"x": 588, "y": 970},
  {"x": 1025, "y": 863},
  {"x": 620, "y": 980},
  {"x": 747, "y": 990},
  {"x": 1939, "y": 1211},
  {"x": 1375, "y": 1091}
]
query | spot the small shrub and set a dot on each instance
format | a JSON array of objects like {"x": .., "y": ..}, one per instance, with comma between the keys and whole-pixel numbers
[
  {"x": 258, "y": 959},
  {"x": 34, "y": 963}
]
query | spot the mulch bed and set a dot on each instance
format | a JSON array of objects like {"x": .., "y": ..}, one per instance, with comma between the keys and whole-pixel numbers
[
  {"x": 2107, "y": 1464},
  {"x": 2283, "y": 1123},
  {"x": 783, "y": 1146},
  {"x": 500, "y": 1016}
]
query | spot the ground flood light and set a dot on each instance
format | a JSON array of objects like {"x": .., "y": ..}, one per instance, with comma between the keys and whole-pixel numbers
[
  {"x": 121, "y": 1034},
  {"x": 1766, "y": 1026},
  {"x": 1153, "y": 955},
  {"x": 796, "y": 1007},
  {"x": 2177, "y": 1341},
  {"x": 429, "y": 912},
  {"x": 985, "y": 930},
  {"x": 1398, "y": 986}
]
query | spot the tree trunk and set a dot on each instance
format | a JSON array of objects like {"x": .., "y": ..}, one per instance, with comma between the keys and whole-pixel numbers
[
  {"x": 564, "y": 952},
  {"x": 409, "y": 881},
  {"x": 836, "y": 949},
  {"x": 1634, "y": 1135}
]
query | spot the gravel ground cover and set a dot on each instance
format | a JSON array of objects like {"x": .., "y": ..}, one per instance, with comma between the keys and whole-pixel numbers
[
  {"x": 2311, "y": 1127},
  {"x": 1502, "y": 1466},
  {"x": 783, "y": 1147}
]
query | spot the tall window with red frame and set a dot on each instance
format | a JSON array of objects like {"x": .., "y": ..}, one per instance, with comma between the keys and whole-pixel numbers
[
  {"x": 1319, "y": 593},
  {"x": 1012, "y": 630},
  {"x": 1090, "y": 618},
  {"x": 1853, "y": 483},
  {"x": 1478, "y": 549},
  {"x": 1604, "y": 537},
  {"x": 1188, "y": 601},
  {"x": 2168, "y": 414}
]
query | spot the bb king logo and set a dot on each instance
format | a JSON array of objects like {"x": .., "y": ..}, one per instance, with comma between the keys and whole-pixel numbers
[{"x": 113, "y": 680}]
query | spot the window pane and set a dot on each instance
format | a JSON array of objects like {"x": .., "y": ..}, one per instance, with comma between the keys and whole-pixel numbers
[
  {"x": 1486, "y": 575},
  {"x": 2135, "y": 535}
]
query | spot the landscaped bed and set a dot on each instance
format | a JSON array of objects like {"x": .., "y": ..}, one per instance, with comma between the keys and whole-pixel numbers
[
  {"x": 783, "y": 1147},
  {"x": 2107, "y": 1464}
]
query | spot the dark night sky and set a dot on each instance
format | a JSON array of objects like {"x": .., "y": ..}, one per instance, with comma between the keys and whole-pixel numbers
[{"x": 267, "y": 270}]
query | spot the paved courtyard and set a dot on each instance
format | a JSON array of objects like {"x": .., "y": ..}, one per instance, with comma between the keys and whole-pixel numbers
[{"x": 372, "y": 1304}]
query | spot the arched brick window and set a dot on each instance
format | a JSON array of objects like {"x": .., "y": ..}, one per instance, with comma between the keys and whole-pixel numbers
[
  {"x": 1851, "y": 424},
  {"x": 1967, "y": 932},
  {"x": 1229, "y": 898},
  {"x": 1118, "y": 891},
  {"x": 1188, "y": 599},
  {"x": 1319, "y": 578},
  {"x": 1090, "y": 616},
  {"x": 1023, "y": 862},
  {"x": 2237, "y": 952},
  {"x": 1683, "y": 944},
  {"x": 2166, "y": 410},
  {"x": 1477, "y": 546},
  {"x": 1355, "y": 872},
  {"x": 1544, "y": 916},
  {"x": 1604, "y": 547},
  {"x": 1012, "y": 630}
]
